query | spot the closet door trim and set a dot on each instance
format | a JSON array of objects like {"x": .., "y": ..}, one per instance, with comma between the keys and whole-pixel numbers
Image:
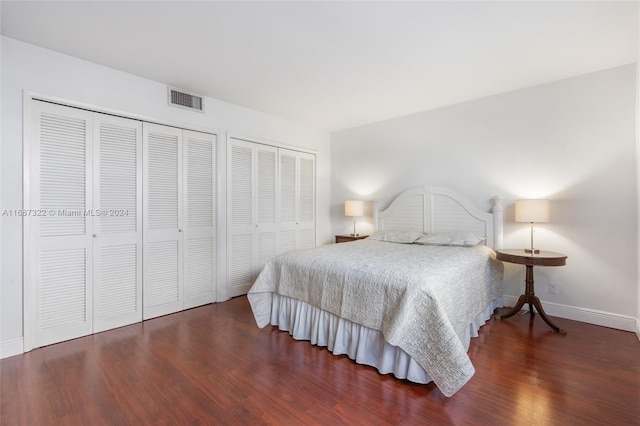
[
  {"x": 30, "y": 95},
  {"x": 267, "y": 142}
]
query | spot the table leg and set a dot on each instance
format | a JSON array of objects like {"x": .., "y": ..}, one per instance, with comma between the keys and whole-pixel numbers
[
  {"x": 543, "y": 315},
  {"x": 521, "y": 301},
  {"x": 529, "y": 291},
  {"x": 530, "y": 297}
]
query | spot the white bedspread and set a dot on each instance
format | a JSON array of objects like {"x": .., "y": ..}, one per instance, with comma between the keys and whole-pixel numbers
[{"x": 419, "y": 297}]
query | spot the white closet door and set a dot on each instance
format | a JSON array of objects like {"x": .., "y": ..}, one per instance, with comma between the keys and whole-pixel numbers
[
  {"x": 306, "y": 201},
  {"x": 266, "y": 165},
  {"x": 162, "y": 212},
  {"x": 297, "y": 200},
  {"x": 252, "y": 212},
  {"x": 58, "y": 261},
  {"x": 200, "y": 219},
  {"x": 117, "y": 218},
  {"x": 240, "y": 216},
  {"x": 288, "y": 200}
]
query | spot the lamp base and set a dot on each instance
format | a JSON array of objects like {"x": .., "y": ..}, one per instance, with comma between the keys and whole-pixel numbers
[{"x": 532, "y": 251}]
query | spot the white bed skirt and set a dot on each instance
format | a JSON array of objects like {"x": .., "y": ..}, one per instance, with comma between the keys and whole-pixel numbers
[{"x": 362, "y": 344}]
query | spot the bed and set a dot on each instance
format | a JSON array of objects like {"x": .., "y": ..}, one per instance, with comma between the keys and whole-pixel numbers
[{"x": 406, "y": 300}]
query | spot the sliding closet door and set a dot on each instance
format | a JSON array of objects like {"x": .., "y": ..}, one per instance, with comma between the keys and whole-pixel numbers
[
  {"x": 163, "y": 221},
  {"x": 199, "y": 196},
  {"x": 58, "y": 234},
  {"x": 117, "y": 217}
]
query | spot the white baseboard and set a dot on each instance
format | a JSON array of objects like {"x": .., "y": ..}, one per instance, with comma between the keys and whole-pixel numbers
[
  {"x": 11, "y": 347},
  {"x": 590, "y": 316}
]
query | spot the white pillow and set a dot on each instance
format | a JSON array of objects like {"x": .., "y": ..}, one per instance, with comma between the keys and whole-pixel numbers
[
  {"x": 396, "y": 236},
  {"x": 465, "y": 239}
]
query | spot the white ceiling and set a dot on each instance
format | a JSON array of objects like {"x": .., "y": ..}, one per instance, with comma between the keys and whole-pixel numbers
[{"x": 335, "y": 65}]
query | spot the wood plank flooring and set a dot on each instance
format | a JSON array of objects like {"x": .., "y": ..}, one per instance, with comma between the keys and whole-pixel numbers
[{"x": 212, "y": 365}]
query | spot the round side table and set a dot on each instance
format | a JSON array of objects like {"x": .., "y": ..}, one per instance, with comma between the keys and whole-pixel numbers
[{"x": 529, "y": 260}]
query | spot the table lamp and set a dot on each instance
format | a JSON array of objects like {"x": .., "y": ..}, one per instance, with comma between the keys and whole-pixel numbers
[
  {"x": 354, "y": 208},
  {"x": 532, "y": 211}
]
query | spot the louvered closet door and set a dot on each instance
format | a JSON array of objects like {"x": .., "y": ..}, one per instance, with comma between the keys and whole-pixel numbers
[
  {"x": 117, "y": 216},
  {"x": 200, "y": 219},
  {"x": 288, "y": 197},
  {"x": 162, "y": 218},
  {"x": 266, "y": 218},
  {"x": 252, "y": 212},
  {"x": 306, "y": 202},
  {"x": 297, "y": 200},
  {"x": 240, "y": 216},
  {"x": 58, "y": 233}
]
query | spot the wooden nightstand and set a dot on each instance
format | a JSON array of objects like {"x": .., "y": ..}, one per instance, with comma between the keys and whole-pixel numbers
[
  {"x": 347, "y": 238},
  {"x": 529, "y": 260}
]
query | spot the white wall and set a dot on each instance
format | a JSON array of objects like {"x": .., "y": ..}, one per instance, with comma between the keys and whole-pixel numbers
[
  {"x": 638, "y": 179},
  {"x": 572, "y": 141},
  {"x": 27, "y": 67}
]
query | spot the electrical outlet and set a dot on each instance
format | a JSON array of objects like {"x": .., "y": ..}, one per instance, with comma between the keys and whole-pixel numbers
[{"x": 553, "y": 288}]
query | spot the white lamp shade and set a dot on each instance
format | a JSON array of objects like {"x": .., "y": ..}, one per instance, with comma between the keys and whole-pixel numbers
[
  {"x": 354, "y": 208},
  {"x": 532, "y": 211}
]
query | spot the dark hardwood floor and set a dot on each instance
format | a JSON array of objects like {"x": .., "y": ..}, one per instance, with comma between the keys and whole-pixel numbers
[{"x": 212, "y": 365}]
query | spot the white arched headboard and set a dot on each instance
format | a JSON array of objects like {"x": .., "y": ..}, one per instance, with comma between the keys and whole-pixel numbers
[{"x": 439, "y": 209}]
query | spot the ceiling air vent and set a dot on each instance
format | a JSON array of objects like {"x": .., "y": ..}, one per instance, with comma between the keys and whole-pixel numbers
[{"x": 185, "y": 100}]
